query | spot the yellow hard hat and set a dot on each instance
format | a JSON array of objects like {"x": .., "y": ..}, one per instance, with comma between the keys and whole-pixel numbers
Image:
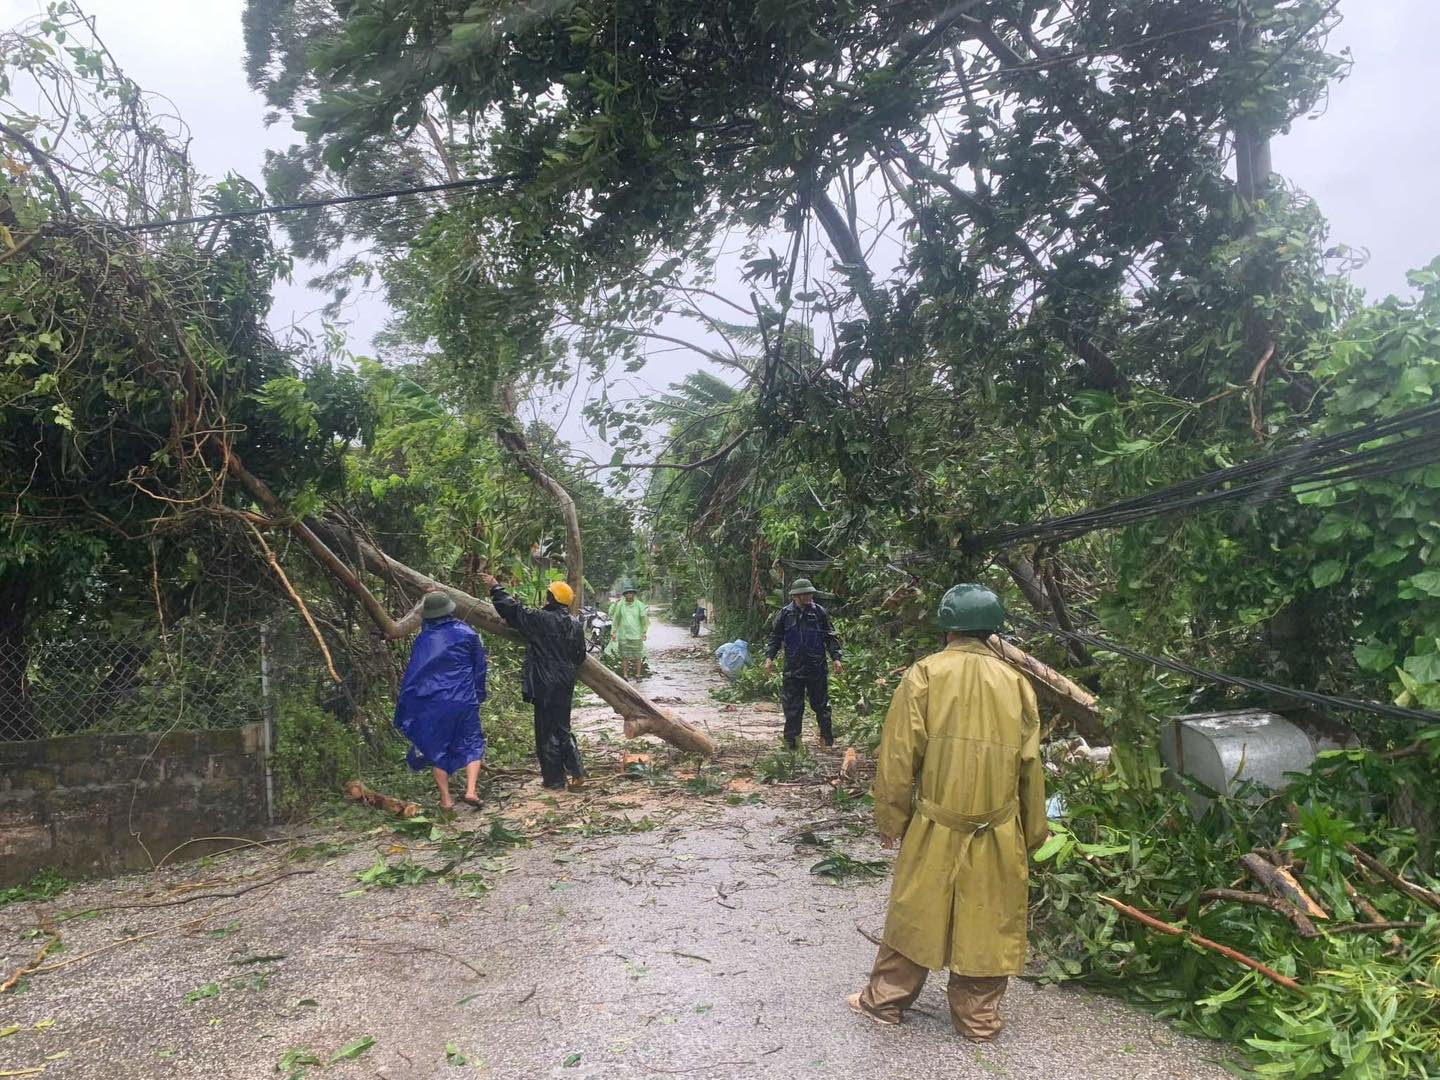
[{"x": 562, "y": 592}]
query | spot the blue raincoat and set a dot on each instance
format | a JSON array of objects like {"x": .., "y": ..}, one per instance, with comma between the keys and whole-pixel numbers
[{"x": 439, "y": 706}]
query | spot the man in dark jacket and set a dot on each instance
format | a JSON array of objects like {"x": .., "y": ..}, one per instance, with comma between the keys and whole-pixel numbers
[
  {"x": 554, "y": 650},
  {"x": 803, "y": 627}
]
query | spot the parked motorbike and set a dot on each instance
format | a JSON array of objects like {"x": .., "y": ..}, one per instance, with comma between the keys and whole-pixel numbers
[{"x": 597, "y": 629}]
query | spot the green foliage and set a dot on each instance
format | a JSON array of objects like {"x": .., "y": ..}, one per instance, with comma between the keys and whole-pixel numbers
[
  {"x": 1367, "y": 1013},
  {"x": 782, "y": 765},
  {"x": 45, "y": 885},
  {"x": 314, "y": 753},
  {"x": 839, "y": 867}
]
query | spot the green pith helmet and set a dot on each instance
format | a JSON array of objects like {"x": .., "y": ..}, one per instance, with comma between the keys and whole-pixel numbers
[
  {"x": 802, "y": 585},
  {"x": 437, "y": 605},
  {"x": 627, "y": 586},
  {"x": 971, "y": 607}
]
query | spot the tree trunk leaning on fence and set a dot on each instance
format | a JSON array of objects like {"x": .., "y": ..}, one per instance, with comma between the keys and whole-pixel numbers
[{"x": 641, "y": 716}]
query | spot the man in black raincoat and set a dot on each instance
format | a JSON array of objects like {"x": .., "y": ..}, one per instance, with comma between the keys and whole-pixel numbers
[
  {"x": 555, "y": 647},
  {"x": 804, "y": 629}
]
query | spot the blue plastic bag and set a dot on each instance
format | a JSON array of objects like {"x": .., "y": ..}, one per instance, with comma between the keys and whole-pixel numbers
[{"x": 732, "y": 657}]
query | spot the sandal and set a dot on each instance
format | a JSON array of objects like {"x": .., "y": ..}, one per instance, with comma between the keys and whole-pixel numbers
[{"x": 472, "y": 801}]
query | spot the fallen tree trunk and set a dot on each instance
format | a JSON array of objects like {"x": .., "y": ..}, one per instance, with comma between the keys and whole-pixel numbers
[
  {"x": 1070, "y": 699},
  {"x": 641, "y": 716}
]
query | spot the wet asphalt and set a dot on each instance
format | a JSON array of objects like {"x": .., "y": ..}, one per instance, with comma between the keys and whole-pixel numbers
[{"x": 700, "y": 946}]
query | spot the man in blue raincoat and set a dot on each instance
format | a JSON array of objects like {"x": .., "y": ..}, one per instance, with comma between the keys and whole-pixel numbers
[{"x": 439, "y": 706}]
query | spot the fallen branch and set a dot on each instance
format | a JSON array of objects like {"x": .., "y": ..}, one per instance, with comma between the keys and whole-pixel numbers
[
  {"x": 1372, "y": 916},
  {"x": 358, "y": 792},
  {"x": 129, "y": 941},
  {"x": 299, "y": 603},
  {"x": 1203, "y": 942},
  {"x": 1279, "y": 881},
  {"x": 1257, "y": 392},
  {"x": 868, "y": 936},
  {"x": 1303, "y": 923},
  {"x": 203, "y": 896},
  {"x": 1364, "y": 927},
  {"x": 33, "y": 966},
  {"x": 1072, "y": 700},
  {"x": 1410, "y": 889}
]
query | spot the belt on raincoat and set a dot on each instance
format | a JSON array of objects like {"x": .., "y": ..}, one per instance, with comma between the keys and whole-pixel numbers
[{"x": 967, "y": 825}]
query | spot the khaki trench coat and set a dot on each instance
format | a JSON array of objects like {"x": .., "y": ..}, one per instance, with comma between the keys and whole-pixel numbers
[{"x": 960, "y": 778}]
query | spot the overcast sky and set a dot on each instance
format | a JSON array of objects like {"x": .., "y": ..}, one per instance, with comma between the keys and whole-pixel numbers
[{"x": 1370, "y": 159}]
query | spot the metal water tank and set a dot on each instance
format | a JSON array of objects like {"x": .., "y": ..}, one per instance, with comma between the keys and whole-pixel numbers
[{"x": 1222, "y": 749}]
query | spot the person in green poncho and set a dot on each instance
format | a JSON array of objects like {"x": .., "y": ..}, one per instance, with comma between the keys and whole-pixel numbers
[{"x": 631, "y": 621}]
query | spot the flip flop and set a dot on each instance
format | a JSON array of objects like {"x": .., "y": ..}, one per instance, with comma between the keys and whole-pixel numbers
[{"x": 472, "y": 801}]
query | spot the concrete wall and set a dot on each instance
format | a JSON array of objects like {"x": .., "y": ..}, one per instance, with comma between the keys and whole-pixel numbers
[{"x": 73, "y": 802}]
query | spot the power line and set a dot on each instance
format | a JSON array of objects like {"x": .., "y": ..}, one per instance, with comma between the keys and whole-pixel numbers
[
  {"x": 1310, "y": 465},
  {"x": 1328, "y": 701},
  {"x": 317, "y": 204},
  {"x": 1100, "y": 644}
]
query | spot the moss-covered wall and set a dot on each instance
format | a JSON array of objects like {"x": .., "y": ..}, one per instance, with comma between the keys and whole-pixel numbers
[{"x": 95, "y": 804}]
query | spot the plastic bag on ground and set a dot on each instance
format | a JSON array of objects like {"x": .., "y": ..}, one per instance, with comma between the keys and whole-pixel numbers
[{"x": 732, "y": 657}]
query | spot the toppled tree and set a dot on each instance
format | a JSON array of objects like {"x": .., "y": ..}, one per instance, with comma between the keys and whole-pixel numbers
[{"x": 145, "y": 404}]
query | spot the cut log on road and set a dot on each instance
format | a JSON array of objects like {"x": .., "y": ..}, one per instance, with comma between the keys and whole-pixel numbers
[
  {"x": 1071, "y": 700},
  {"x": 641, "y": 716},
  {"x": 362, "y": 794}
]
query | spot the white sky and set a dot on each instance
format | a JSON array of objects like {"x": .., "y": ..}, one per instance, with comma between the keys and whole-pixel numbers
[{"x": 1369, "y": 160}]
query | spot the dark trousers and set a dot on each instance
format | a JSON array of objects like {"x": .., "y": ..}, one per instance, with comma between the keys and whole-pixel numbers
[
  {"x": 554, "y": 742},
  {"x": 812, "y": 678}
]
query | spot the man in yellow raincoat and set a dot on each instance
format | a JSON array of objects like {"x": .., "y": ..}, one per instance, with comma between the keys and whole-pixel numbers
[{"x": 960, "y": 779}]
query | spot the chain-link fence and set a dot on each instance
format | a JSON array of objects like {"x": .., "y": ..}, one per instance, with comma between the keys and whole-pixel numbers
[{"x": 194, "y": 676}]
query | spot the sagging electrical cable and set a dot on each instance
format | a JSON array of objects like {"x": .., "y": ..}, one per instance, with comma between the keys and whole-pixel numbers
[
  {"x": 318, "y": 204},
  {"x": 1307, "y": 466},
  {"x": 1312, "y": 697},
  {"x": 1100, "y": 644}
]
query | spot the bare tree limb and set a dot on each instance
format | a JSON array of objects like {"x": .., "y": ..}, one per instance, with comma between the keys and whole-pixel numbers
[
  {"x": 300, "y": 604},
  {"x": 847, "y": 247},
  {"x": 678, "y": 466},
  {"x": 513, "y": 439}
]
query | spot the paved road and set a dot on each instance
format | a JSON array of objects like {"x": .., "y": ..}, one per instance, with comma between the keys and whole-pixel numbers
[{"x": 647, "y": 931}]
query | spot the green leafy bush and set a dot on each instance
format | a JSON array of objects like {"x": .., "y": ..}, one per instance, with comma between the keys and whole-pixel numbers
[
  {"x": 314, "y": 753},
  {"x": 1368, "y": 1011}
]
